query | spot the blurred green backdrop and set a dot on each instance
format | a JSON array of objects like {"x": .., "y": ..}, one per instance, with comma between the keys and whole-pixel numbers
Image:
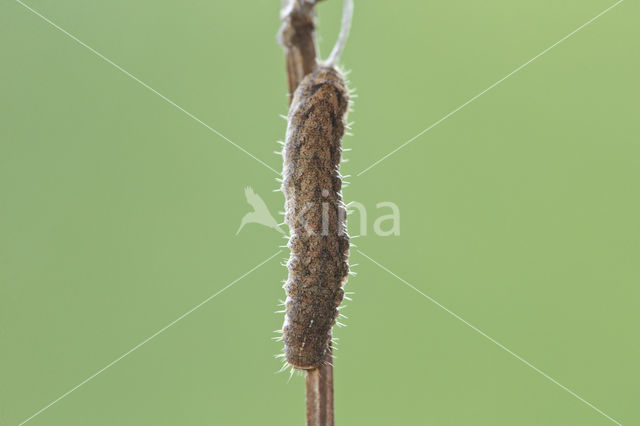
[{"x": 118, "y": 214}]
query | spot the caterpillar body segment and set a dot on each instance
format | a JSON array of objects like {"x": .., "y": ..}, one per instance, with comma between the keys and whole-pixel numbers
[{"x": 316, "y": 216}]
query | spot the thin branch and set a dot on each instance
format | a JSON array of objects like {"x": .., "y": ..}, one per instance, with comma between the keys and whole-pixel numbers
[
  {"x": 297, "y": 36},
  {"x": 319, "y": 386}
]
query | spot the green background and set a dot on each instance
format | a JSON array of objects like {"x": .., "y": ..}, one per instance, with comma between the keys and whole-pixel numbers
[{"x": 519, "y": 213}]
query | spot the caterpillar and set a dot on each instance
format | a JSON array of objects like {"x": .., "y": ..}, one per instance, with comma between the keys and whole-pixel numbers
[{"x": 316, "y": 216}]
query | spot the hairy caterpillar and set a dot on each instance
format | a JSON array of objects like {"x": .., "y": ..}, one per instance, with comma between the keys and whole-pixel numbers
[{"x": 316, "y": 216}]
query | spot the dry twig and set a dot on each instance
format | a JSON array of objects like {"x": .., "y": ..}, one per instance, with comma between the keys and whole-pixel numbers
[
  {"x": 297, "y": 36},
  {"x": 319, "y": 385}
]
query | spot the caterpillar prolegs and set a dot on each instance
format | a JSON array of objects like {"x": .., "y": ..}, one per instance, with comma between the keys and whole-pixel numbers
[{"x": 316, "y": 216}]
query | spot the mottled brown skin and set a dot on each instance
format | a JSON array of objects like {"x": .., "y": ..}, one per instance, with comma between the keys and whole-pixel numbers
[{"x": 316, "y": 216}]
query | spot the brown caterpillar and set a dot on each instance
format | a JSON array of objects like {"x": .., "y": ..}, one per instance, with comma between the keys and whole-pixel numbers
[{"x": 316, "y": 216}]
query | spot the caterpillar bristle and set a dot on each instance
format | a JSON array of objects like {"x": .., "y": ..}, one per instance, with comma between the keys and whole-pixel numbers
[
  {"x": 307, "y": 327},
  {"x": 282, "y": 369}
]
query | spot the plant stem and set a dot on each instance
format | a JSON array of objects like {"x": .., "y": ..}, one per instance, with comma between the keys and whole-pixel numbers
[
  {"x": 297, "y": 36},
  {"x": 319, "y": 385}
]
